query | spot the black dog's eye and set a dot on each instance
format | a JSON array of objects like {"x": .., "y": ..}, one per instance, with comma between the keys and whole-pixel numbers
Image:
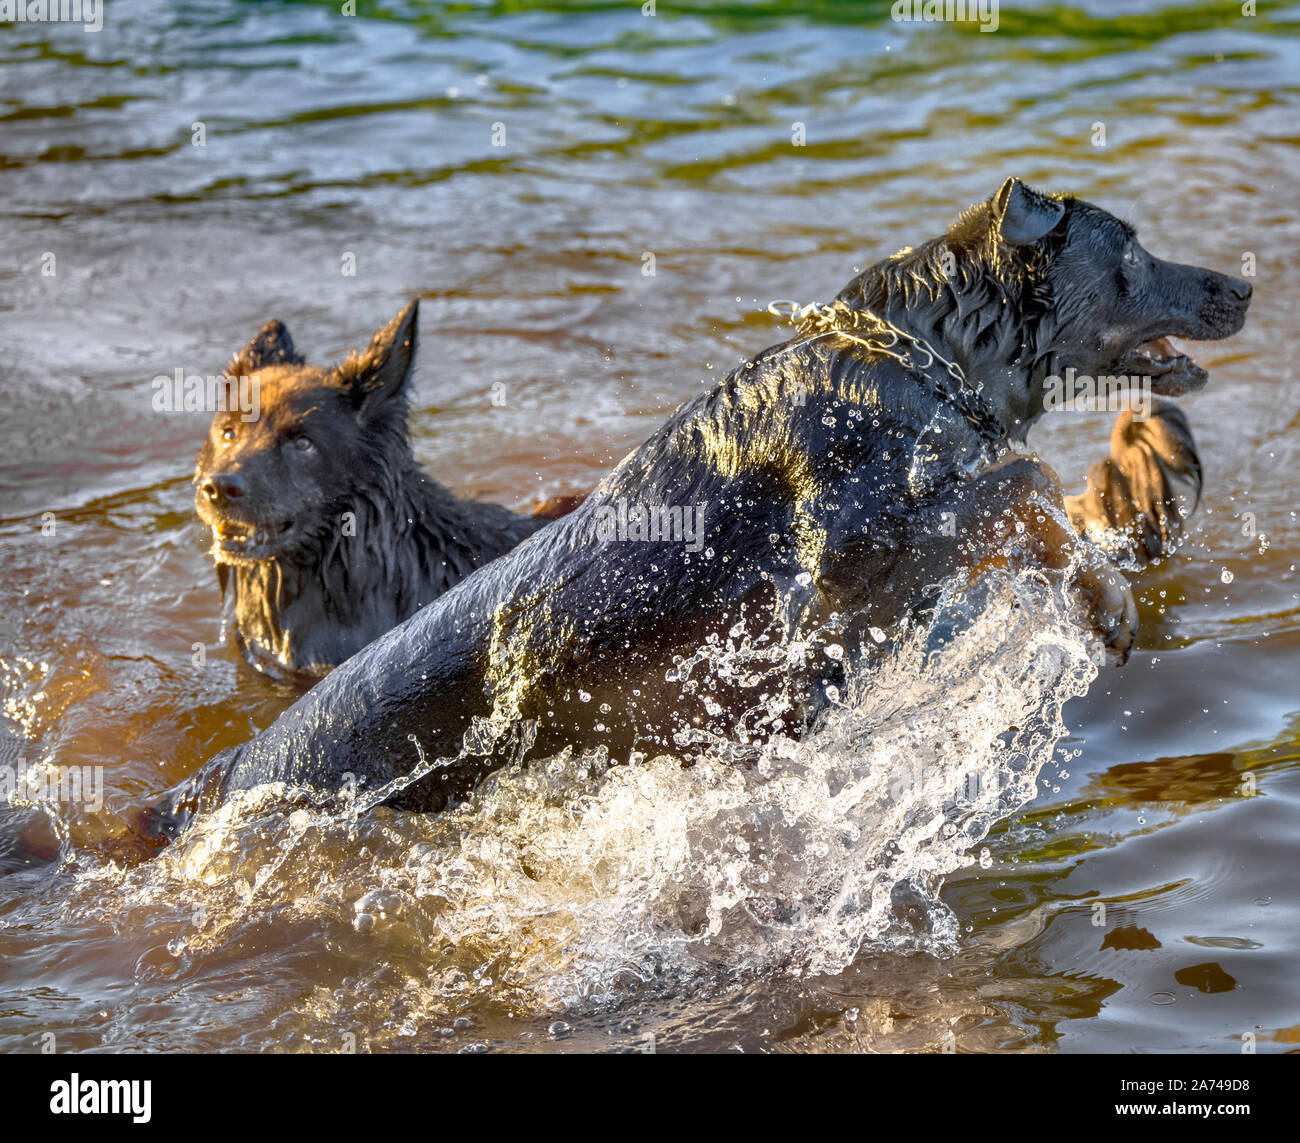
[{"x": 302, "y": 444}]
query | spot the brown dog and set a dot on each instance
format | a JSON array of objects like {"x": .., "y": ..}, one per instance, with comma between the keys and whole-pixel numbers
[{"x": 325, "y": 531}]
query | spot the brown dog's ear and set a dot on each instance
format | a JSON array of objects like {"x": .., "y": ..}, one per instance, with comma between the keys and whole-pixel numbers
[
  {"x": 271, "y": 346},
  {"x": 380, "y": 374},
  {"x": 1022, "y": 215}
]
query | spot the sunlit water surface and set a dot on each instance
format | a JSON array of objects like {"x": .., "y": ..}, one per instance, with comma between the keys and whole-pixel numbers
[{"x": 841, "y": 895}]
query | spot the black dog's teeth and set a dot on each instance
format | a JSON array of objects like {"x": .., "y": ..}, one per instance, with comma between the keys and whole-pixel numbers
[{"x": 1161, "y": 350}]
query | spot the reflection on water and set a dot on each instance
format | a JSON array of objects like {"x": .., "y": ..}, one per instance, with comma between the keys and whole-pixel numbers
[{"x": 512, "y": 166}]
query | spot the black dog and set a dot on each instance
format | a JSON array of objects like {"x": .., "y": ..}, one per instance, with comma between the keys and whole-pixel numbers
[
  {"x": 840, "y": 476},
  {"x": 325, "y": 532}
]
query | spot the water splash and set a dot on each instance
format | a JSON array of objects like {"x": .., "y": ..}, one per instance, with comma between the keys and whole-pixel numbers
[{"x": 571, "y": 882}]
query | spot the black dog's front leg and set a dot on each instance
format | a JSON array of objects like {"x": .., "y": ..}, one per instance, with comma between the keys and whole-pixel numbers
[
  {"x": 1013, "y": 516},
  {"x": 1139, "y": 498}
]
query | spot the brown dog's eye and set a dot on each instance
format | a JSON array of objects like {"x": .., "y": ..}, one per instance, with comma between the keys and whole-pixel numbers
[{"x": 227, "y": 435}]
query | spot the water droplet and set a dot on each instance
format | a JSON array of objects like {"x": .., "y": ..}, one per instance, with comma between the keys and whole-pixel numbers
[
  {"x": 1226, "y": 576},
  {"x": 986, "y": 858},
  {"x": 583, "y": 696},
  {"x": 834, "y": 651}
]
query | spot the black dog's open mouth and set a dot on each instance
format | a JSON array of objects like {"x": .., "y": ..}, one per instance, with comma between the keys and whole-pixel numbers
[
  {"x": 1172, "y": 372},
  {"x": 249, "y": 541}
]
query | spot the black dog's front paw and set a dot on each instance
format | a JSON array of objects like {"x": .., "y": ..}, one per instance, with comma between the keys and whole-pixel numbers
[
  {"x": 1111, "y": 609},
  {"x": 1139, "y": 498}
]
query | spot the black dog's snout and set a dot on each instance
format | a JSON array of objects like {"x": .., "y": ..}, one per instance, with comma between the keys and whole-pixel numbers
[
  {"x": 1241, "y": 288},
  {"x": 223, "y": 486}
]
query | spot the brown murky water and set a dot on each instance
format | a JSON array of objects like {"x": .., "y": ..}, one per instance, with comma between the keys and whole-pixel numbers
[{"x": 543, "y": 918}]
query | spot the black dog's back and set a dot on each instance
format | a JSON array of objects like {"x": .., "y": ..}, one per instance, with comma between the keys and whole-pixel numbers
[{"x": 578, "y": 631}]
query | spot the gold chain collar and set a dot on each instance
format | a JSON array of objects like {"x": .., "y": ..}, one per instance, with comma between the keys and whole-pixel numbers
[{"x": 825, "y": 319}]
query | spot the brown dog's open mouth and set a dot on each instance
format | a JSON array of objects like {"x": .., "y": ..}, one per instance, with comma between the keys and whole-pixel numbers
[
  {"x": 248, "y": 540},
  {"x": 1172, "y": 371}
]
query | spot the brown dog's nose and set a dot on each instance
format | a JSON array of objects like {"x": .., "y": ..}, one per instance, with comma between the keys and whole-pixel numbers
[
  {"x": 1242, "y": 288},
  {"x": 223, "y": 486}
]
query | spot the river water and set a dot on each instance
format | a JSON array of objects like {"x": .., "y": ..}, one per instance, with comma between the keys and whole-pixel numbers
[{"x": 513, "y": 165}]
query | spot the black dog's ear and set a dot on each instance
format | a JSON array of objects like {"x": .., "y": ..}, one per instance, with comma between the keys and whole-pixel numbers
[
  {"x": 377, "y": 376},
  {"x": 1022, "y": 215},
  {"x": 271, "y": 346}
]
